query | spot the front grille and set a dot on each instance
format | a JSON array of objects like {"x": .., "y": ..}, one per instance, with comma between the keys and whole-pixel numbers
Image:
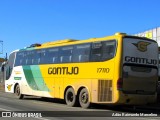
[{"x": 104, "y": 90}]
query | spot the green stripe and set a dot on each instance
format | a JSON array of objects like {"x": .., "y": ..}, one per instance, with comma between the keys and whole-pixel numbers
[
  {"x": 34, "y": 78},
  {"x": 17, "y": 78},
  {"x": 24, "y": 49},
  {"x": 38, "y": 78},
  {"x": 29, "y": 77}
]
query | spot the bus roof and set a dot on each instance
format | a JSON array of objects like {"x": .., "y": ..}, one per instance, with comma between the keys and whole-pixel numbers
[
  {"x": 74, "y": 41},
  {"x": 58, "y": 42}
]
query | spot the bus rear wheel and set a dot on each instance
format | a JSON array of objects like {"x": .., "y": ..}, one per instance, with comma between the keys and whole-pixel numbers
[
  {"x": 70, "y": 97},
  {"x": 84, "y": 98},
  {"x": 18, "y": 92}
]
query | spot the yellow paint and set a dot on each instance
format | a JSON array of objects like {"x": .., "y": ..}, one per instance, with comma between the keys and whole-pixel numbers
[
  {"x": 149, "y": 35},
  {"x": 9, "y": 87},
  {"x": 88, "y": 76},
  {"x": 17, "y": 72}
]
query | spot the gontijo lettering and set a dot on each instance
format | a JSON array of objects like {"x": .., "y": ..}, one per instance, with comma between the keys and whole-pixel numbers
[
  {"x": 63, "y": 70},
  {"x": 141, "y": 60}
]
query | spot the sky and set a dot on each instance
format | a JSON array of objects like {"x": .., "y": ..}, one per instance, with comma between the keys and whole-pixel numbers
[{"x": 25, "y": 22}]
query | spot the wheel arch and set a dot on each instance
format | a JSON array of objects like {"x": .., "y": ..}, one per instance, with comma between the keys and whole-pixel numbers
[{"x": 15, "y": 86}]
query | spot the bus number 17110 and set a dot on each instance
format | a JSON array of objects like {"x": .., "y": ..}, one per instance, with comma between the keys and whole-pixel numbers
[{"x": 103, "y": 70}]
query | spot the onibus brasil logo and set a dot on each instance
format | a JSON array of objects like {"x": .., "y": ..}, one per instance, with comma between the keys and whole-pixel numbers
[{"x": 141, "y": 46}]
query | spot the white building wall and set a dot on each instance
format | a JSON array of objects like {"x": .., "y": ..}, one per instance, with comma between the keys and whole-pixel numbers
[{"x": 152, "y": 34}]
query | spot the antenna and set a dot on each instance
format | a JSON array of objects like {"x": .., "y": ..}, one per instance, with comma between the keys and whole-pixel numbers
[{"x": 1, "y": 47}]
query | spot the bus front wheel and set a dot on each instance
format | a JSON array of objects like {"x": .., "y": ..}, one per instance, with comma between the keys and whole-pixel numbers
[
  {"x": 70, "y": 97},
  {"x": 18, "y": 92},
  {"x": 84, "y": 98}
]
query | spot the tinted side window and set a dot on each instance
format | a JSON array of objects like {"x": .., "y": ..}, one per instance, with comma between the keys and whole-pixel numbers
[
  {"x": 109, "y": 49},
  {"x": 29, "y": 57},
  {"x": 40, "y": 57},
  {"x": 66, "y": 54},
  {"x": 20, "y": 58},
  {"x": 102, "y": 51},
  {"x": 81, "y": 53},
  {"x": 52, "y": 56},
  {"x": 96, "y": 52}
]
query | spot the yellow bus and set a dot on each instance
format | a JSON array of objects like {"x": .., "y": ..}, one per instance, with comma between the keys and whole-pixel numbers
[{"x": 117, "y": 69}]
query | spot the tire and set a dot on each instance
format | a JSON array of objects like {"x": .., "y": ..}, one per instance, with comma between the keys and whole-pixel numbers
[
  {"x": 18, "y": 92},
  {"x": 70, "y": 97},
  {"x": 84, "y": 98}
]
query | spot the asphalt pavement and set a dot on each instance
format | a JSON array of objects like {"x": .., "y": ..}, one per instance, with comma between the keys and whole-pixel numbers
[
  {"x": 2, "y": 87},
  {"x": 155, "y": 106}
]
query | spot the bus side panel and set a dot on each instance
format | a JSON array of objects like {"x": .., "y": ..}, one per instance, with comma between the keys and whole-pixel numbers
[
  {"x": 89, "y": 75},
  {"x": 33, "y": 82}
]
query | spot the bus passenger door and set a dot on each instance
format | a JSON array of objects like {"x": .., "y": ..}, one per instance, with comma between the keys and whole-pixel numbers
[
  {"x": 57, "y": 87},
  {"x": 9, "y": 77}
]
